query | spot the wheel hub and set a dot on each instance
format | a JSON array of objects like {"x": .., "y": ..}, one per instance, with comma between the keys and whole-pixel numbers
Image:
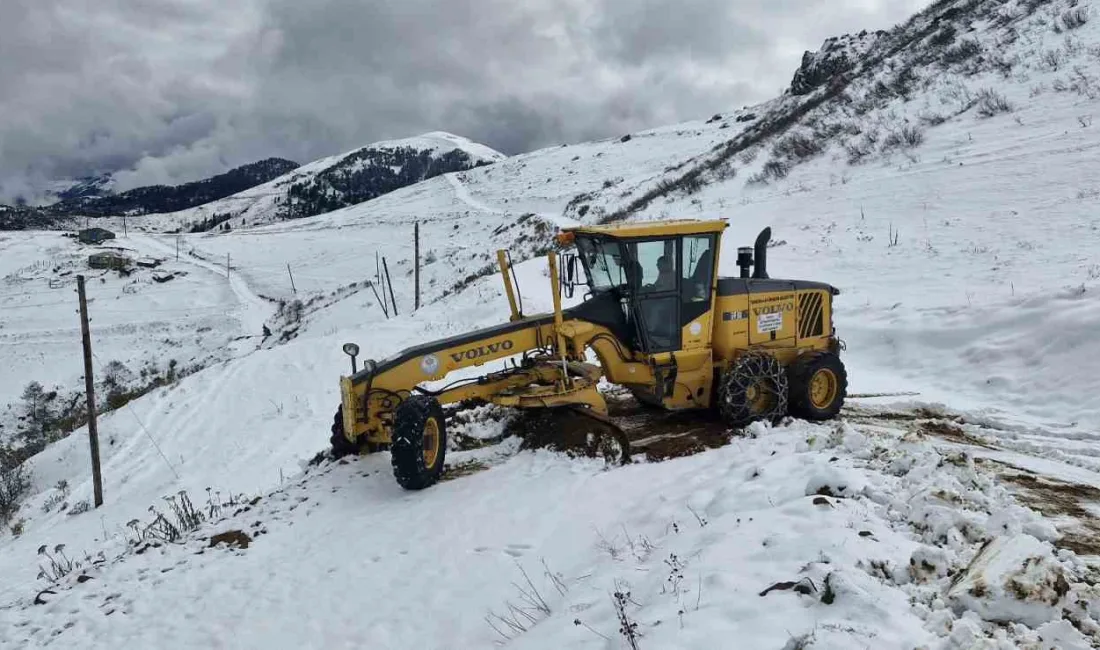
[
  {"x": 823, "y": 388},
  {"x": 431, "y": 442}
]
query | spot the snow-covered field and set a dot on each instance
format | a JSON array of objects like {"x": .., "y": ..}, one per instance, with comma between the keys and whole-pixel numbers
[
  {"x": 961, "y": 515},
  {"x": 197, "y": 317}
]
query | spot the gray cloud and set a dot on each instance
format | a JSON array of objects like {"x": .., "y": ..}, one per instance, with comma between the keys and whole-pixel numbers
[{"x": 172, "y": 91}]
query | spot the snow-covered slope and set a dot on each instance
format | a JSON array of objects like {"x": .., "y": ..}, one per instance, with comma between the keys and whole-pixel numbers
[
  {"x": 152, "y": 328},
  {"x": 335, "y": 181},
  {"x": 962, "y": 232}
]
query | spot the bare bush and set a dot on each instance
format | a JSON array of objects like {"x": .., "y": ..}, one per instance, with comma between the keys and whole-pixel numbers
[
  {"x": 1083, "y": 84},
  {"x": 906, "y": 137},
  {"x": 932, "y": 119},
  {"x": 1003, "y": 64},
  {"x": 724, "y": 171},
  {"x": 773, "y": 170},
  {"x": 944, "y": 37},
  {"x": 904, "y": 81},
  {"x": 1051, "y": 59},
  {"x": 797, "y": 146},
  {"x": 991, "y": 103},
  {"x": 15, "y": 483},
  {"x": 520, "y": 616},
  {"x": 1072, "y": 19},
  {"x": 964, "y": 51}
]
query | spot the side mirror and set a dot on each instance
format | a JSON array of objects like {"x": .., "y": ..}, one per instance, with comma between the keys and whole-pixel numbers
[
  {"x": 352, "y": 350},
  {"x": 569, "y": 282}
]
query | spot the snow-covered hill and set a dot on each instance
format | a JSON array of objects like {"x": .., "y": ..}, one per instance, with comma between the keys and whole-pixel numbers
[
  {"x": 947, "y": 183},
  {"x": 336, "y": 181}
]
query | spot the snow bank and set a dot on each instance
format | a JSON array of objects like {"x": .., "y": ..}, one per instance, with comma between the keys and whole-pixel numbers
[{"x": 1012, "y": 579}]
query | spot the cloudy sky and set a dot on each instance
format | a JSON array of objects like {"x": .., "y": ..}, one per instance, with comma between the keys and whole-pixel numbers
[{"x": 175, "y": 90}]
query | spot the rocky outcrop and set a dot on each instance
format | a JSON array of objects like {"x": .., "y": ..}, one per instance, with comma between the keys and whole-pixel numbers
[{"x": 837, "y": 55}]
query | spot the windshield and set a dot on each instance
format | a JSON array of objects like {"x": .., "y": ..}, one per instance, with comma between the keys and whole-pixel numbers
[{"x": 602, "y": 263}]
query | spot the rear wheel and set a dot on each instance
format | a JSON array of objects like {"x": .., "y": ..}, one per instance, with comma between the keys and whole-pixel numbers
[
  {"x": 819, "y": 384},
  {"x": 754, "y": 388},
  {"x": 419, "y": 442}
]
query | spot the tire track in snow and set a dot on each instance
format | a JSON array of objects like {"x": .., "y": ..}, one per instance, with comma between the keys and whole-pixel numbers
[
  {"x": 462, "y": 193},
  {"x": 254, "y": 311}
]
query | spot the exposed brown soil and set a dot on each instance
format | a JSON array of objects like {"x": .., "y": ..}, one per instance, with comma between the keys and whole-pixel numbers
[
  {"x": 868, "y": 414},
  {"x": 567, "y": 431},
  {"x": 1054, "y": 498},
  {"x": 232, "y": 538},
  {"x": 948, "y": 431}
]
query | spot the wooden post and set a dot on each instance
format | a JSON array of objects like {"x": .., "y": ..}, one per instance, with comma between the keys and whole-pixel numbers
[
  {"x": 381, "y": 299},
  {"x": 227, "y": 265},
  {"x": 89, "y": 386},
  {"x": 416, "y": 273},
  {"x": 393, "y": 300},
  {"x": 177, "y": 248},
  {"x": 292, "y": 287},
  {"x": 377, "y": 270}
]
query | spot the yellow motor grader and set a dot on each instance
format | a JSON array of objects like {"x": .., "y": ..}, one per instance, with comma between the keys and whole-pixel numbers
[{"x": 656, "y": 319}]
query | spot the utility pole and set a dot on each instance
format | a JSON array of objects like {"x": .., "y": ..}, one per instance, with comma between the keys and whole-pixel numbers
[
  {"x": 124, "y": 226},
  {"x": 292, "y": 288},
  {"x": 227, "y": 265},
  {"x": 89, "y": 386},
  {"x": 416, "y": 249}
]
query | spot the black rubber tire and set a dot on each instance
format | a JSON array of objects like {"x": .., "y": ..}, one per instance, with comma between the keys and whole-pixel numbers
[
  {"x": 341, "y": 446},
  {"x": 732, "y": 392},
  {"x": 407, "y": 447},
  {"x": 801, "y": 372}
]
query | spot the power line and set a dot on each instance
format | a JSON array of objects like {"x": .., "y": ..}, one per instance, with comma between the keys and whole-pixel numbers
[
  {"x": 41, "y": 304},
  {"x": 144, "y": 428}
]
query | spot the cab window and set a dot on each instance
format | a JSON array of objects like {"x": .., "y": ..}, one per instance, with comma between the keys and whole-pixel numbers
[{"x": 698, "y": 267}]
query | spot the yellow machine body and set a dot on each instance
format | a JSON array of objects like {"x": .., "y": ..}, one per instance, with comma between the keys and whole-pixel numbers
[{"x": 666, "y": 330}]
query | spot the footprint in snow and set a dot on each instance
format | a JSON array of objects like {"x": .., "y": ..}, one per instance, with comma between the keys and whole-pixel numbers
[{"x": 517, "y": 550}]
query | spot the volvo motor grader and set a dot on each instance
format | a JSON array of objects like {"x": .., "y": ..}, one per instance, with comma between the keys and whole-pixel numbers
[{"x": 656, "y": 319}]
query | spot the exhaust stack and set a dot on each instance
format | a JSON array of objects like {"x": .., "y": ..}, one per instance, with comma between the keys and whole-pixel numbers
[{"x": 761, "y": 248}]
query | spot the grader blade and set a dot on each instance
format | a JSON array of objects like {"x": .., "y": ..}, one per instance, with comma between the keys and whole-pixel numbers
[{"x": 575, "y": 430}]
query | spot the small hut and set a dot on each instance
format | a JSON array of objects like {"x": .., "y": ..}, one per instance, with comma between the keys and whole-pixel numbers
[
  {"x": 109, "y": 260},
  {"x": 94, "y": 235}
]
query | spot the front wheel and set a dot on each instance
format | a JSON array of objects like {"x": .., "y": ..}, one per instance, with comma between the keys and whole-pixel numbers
[
  {"x": 419, "y": 442},
  {"x": 819, "y": 384}
]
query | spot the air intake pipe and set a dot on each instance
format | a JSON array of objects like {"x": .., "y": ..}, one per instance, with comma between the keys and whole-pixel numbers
[
  {"x": 744, "y": 261},
  {"x": 760, "y": 272}
]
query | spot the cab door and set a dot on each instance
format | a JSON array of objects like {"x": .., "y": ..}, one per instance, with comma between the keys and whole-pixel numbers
[
  {"x": 656, "y": 289},
  {"x": 697, "y": 268}
]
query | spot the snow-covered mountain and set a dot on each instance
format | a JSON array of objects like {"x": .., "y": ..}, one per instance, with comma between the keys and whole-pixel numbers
[
  {"x": 84, "y": 201},
  {"x": 945, "y": 179},
  {"x": 89, "y": 187},
  {"x": 339, "y": 181}
]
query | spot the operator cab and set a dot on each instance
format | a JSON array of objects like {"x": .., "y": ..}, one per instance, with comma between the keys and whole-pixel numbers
[{"x": 646, "y": 283}]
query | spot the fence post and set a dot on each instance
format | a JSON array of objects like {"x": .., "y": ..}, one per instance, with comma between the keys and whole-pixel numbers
[
  {"x": 416, "y": 274},
  {"x": 393, "y": 300}
]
